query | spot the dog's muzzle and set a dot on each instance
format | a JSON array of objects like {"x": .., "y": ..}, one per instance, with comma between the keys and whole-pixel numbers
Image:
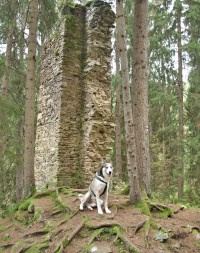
[{"x": 110, "y": 173}]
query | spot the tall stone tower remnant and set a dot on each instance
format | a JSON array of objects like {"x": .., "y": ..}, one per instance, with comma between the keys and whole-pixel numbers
[{"x": 75, "y": 126}]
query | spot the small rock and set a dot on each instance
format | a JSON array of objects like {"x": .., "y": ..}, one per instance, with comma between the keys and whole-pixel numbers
[
  {"x": 198, "y": 237},
  {"x": 100, "y": 249},
  {"x": 161, "y": 237}
]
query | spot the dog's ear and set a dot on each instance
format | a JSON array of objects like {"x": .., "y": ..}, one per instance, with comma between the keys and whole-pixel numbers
[
  {"x": 100, "y": 172},
  {"x": 102, "y": 163}
]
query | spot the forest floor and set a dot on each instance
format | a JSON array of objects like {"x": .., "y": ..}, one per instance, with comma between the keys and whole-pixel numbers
[{"x": 51, "y": 222}]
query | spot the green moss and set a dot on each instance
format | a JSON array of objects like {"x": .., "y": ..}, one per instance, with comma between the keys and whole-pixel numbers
[
  {"x": 125, "y": 190},
  {"x": 154, "y": 225},
  {"x": 6, "y": 238},
  {"x": 37, "y": 247},
  {"x": 65, "y": 243},
  {"x": 88, "y": 222},
  {"x": 25, "y": 204},
  {"x": 116, "y": 230},
  {"x": 4, "y": 228},
  {"x": 142, "y": 205},
  {"x": 44, "y": 193},
  {"x": 95, "y": 234},
  {"x": 37, "y": 214},
  {"x": 63, "y": 204},
  {"x": 69, "y": 192},
  {"x": 165, "y": 213},
  {"x": 120, "y": 245}
]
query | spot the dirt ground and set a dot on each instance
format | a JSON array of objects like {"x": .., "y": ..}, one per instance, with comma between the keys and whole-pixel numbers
[{"x": 59, "y": 226}]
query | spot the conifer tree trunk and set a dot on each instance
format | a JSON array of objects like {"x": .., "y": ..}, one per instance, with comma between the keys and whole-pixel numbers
[
  {"x": 19, "y": 165},
  {"x": 128, "y": 115},
  {"x": 5, "y": 80},
  {"x": 118, "y": 115},
  {"x": 30, "y": 101},
  {"x": 5, "y": 83},
  {"x": 180, "y": 107},
  {"x": 140, "y": 84}
]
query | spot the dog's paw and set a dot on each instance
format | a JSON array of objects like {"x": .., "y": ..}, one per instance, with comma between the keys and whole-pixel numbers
[
  {"x": 89, "y": 207},
  {"x": 100, "y": 212},
  {"x": 107, "y": 210},
  {"x": 81, "y": 208}
]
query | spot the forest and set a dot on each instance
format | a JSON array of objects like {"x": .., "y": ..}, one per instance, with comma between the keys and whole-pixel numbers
[{"x": 154, "y": 100}]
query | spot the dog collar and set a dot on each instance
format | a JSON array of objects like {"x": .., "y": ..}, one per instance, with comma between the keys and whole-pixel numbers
[{"x": 100, "y": 179}]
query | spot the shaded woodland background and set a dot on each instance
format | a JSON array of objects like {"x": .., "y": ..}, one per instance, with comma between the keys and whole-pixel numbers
[{"x": 173, "y": 85}]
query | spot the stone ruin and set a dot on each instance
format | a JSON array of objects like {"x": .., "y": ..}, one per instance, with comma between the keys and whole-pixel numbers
[{"x": 75, "y": 126}]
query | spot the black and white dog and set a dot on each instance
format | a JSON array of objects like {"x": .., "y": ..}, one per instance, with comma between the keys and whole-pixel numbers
[{"x": 98, "y": 187}]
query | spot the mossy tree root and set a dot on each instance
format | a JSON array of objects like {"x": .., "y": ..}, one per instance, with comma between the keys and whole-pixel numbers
[
  {"x": 128, "y": 245},
  {"x": 68, "y": 238},
  {"x": 163, "y": 209}
]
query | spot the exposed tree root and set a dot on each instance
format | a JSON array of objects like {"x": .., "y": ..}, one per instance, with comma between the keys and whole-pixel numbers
[
  {"x": 63, "y": 204},
  {"x": 7, "y": 245},
  {"x": 161, "y": 208},
  {"x": 128, "y": 245},
  {"x": 113, "y": 214},
  {"x": 139, "y": 226},
  {"x": 72, "y": 190},
  {"x": 105, "y": 224},
  {"x": 178, "y": 209},
  {"x": 146, "y": 232},
  {"x": 68, "y": 238},
  {"x": 75, "y": 232},
  {"x": 36, "y": 233},
  {"x": 189, "y": 228},
  {"x": 34, "y": 247},
  {"x": 56, "y": 212},
  {"x": 44, "y": 193}
]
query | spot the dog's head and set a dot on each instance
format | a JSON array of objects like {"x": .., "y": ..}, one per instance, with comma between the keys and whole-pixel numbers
[{"x": 106, "y": 170}]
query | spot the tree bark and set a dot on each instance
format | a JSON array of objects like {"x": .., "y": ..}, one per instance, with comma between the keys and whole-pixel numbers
[
  {"x": 118, "y": 114},
  {"x": 30, "y": 101},
  {"x": 140, "y": 84},
  {"x": 128, "y": 115},
  {"x": 180, "y": 108},
  {"x": 5, "y": 80},
  {"x": 19, "y": 165}
]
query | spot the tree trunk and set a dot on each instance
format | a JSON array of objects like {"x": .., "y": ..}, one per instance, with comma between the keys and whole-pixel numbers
[
  {"x": 5, "y": 80},
  {"x": 140, "y": 84},
  {"x": 30, "y": 101},
  {"x": 128, "y": 115},
  {"x": 19, "y": 165},
  {"x": 5, "y": 84},
  {"x": 118, "y": 115},
  {"x": 180, "y": 108}
]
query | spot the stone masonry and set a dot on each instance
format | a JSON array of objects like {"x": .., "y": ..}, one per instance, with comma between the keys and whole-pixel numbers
[{"x": 75, "y": 128}]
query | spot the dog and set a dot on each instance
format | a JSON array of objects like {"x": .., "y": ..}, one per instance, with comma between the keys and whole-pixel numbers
[{"x": 98, "y": 187}]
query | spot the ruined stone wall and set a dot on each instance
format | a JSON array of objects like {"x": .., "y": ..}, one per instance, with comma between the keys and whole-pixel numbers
[
  {"x": 48, "y": 118},
  {"x": 75, "y": 128},
  {"x": 98, "y": 124},
  {"x": 70, "y": 143}
]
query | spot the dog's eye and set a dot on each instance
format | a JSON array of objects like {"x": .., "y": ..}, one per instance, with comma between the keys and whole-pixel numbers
[{"x": 106, "y": 167}]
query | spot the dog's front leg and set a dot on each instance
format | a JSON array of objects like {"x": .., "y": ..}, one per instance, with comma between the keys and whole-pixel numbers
[
  {"x": 106, "y": 201},
  {"x": 99, "y": 202}
]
